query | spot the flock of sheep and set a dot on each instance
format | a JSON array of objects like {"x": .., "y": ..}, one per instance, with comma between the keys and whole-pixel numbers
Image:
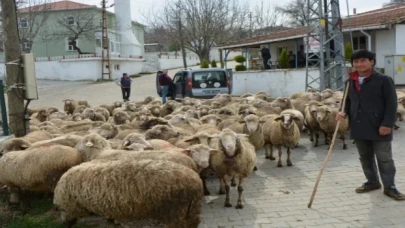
[{"x": 145, "y": 160}]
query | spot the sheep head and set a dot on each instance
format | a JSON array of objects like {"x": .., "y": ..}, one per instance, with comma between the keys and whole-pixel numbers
[
  {"x": 230, "y": 142},
  {"x": 131, "y": 107},
  {"x": 108, "y": 130},
  {"x": 322, "y": 113},
  {"x": 211, "y": 119},
  {"x": 315, "y": 96},
  {"x": 204, "y": 109},
  {"x": 312, "y": 106},
  {"x": 91, "y": 145},
  {"x": 156, "y": 102},
  {"x": 138, "y": 147},
  {"x": 281, "y": 102},
  {"x": 135, "y": 138},
  {"x": 192, "y": 113},
  {"x": 226, "y": 111},
  {"x": 118, "y": 104},
  {"x": 155, "y": 110},
  {"x": 287, "y": 120},
  {"x": 327, "y": 93},
  {"x": 15, "y": 144},
  {"x": 154, "y": 121},
  {"x": 252, "y": 123},
  {"x": 198, "y": 138},
  {"x": 245, "y": 110},
  {"x": 200, "y": 154},
  {"x": 187, "y": 101},
  {"x": 89, "y": 113},
  {"x": 67, "y": 101},
  {"x": 216, "y": 105},
  {"x": 332, "y": 103},
  {"x": 148, "y": 99},
  {"x": 78, "y": 117},
  {"x": 121, "y": 117},
  {"x": 163, "y": 132},
  {"x": 178, "y": 119}
]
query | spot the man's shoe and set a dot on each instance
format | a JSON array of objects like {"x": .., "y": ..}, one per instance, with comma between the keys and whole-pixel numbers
[
  {"x": 367, "y": 187},
  {"x": 394, "y": 193}
]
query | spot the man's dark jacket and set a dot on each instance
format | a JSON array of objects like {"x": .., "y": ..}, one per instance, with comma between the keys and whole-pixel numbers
[
  {"x": 371, "y": 106},
  {"x": 266, "y": 53}
]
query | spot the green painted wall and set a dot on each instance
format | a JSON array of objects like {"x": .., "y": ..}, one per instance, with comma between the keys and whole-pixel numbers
[{"x": 58, "y": 47}]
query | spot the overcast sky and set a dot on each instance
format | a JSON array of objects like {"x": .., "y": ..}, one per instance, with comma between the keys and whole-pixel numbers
[{"x": 140, "y": 7}]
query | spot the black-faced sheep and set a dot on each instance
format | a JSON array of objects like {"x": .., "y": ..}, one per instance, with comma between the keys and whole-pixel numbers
[{"x": 145, "y": 189}]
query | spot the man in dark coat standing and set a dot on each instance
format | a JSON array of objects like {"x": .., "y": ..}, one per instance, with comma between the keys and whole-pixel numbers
[
  {"x": 371, "y": 106},
  {"x": 266, "y": 56},
  {"x": 125, "y": 83}
]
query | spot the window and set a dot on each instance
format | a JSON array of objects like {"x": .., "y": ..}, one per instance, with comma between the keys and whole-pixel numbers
[
  {"x": 26, "y": 45},
  {"x": 177, "y": 78},
  {"x": 70, "y": 44},
  {"x": 70, "y": 20},
  {"x": 359, "y": 43},
  {"x": 98, "y": 42},
  {"x": 209, "y": 79},
  {"x": 117, "y": 67},
  {"x": 23, "y": 23}
]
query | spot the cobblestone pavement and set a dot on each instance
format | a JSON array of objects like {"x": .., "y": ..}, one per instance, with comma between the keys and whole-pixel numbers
[{"x": 275, "y": 197}]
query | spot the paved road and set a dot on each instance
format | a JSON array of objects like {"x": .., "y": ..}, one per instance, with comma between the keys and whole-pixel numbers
[{"x": 275, "y": 197}]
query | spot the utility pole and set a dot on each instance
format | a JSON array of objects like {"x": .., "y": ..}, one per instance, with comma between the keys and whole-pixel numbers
[
  {"x": 183, "y": 51},
  {"x": 15, "y": 94},
  {"x": 105, "y": 43}
]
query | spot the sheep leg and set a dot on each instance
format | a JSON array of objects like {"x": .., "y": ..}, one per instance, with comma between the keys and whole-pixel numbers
[
  {"x": 267, "y": 151},
  {"x": 70, "y": 223},
  {"x": 227, "y": 189},
  {"x": 326, "y": 138},
  {"x": 233, "y": 182},
  {"x": 222, "y": 190},
  {"x": 204, "y": 182},
  {"x": 311, "y": 135},
  {"x": 342, "y": 137},
  {"x": 280, "y": 152},
  {"x": 239, "y": 204},
  {"x": 271, "y": 153},
  {"x": 24, "y": 203},
  {"x": 316, "y": 139},
  {"x": 289, "y": 163}
]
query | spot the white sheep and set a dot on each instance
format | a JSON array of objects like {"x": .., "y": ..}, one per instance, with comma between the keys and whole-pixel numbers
[
  {"x": 237, "y": 158},
  {"x": 129, "y": 190}
]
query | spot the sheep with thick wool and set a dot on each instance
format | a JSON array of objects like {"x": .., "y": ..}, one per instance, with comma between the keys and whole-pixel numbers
[
  {"x": 282, "y": 131},
  {"x": 131, "y": 190},
  {"x": 326, "y": 118},
  {"x": 312, "y": 124},
  {"x": 35, "y": 170},
  {"x": 237, "y": 159}
]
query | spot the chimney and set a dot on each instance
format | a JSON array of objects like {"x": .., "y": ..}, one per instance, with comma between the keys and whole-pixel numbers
[{"x": 354, "y": 11}]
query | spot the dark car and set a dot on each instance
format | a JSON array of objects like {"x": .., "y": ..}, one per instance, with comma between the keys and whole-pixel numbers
[{"x": 198, "y": 83}]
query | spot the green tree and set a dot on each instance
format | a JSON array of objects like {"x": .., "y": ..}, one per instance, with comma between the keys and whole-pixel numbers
[
  {"x": 204, "y": 64},
  {"x": 348, "y": 51},
  {"x": 240, "y": 59},
  {"x": 213, "y": 63},
  {"x": 284, "y": 60}
]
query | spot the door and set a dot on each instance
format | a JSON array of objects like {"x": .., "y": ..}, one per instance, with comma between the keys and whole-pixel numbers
[
  {"x": 178, "y": 83},
  {"x": 158, "y": 89}
]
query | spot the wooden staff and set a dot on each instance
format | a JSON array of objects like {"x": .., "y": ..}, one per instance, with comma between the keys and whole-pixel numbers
[{"x": 330, "y": 148}]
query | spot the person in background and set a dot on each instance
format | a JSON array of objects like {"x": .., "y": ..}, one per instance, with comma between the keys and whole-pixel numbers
[
  {"x": 125, "y": 83},
  {"x": 165, "y": 82},
  {"x": 291, "y": 57},
  {"x": 266, "y": 56},
  {"x": 371, "y": 107}
]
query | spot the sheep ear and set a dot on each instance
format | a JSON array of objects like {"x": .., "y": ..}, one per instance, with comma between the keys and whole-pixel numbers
[
  {"x": 23, "y": 146},
  {"x": 242, "y": 121},
  {"x": 296, "y": 118},
  {"x": 278, "y": 118},
  {"x": 262, "y": 121},
  {"x": 189, "y": 139},
  {"x": 126, "y": 143},
  {"x": 252, "y": 112},
  {"x": 241, "y": 135},
  {"x": 187, "y": 152},
  {"x": 214, "y": 152}
]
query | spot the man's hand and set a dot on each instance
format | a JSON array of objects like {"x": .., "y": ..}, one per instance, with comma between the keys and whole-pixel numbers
[
  {"x": 341, "y": 116},
  {"x": 385, "y": 130}
]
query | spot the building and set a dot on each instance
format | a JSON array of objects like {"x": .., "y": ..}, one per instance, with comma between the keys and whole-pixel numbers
[
  {"x": 382, "y": 31},
  {"x": 50, "y": 26}
]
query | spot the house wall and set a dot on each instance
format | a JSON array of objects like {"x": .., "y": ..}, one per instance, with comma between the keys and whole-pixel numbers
[
  {"x": 385, "y": 45},
  {"x": 274, "y": 82},
  {"x": 399, "y": 39},
  {"x": 81, "y": 69}
]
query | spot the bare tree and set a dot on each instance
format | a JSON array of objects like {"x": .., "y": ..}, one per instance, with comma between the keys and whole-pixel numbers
[
  {"x": 296, "y": 11},
  {"x": 76, "y": 24},
  {"x": 204, "y": 23},
  {"x": 393, "y": 2},
  {"x": 33, "y": 17},
  {"x": 266, "y": 18}
]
